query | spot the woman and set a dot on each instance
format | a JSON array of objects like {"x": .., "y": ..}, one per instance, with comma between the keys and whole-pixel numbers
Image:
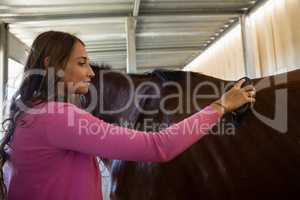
[{"x": 50, "y": 155}]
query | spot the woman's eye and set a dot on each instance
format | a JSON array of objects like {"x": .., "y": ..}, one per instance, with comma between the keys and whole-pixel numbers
[{"x": 81, "y": 64}]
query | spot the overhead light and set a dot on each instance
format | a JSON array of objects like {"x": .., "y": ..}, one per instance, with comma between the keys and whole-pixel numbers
[
  {"x": 212, "y": 38},
  {"x": 217, "y": 34},
  {"x": 221, "y": 30},
  {"x": 245, "y": 9},
  {"x": 226, "y": 25},
  {"x": 253, "y": 2},
  {"x": 232, "y": 20}
]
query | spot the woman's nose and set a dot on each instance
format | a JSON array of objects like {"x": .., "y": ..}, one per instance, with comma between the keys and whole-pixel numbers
[{"x": 91, "y": 72}]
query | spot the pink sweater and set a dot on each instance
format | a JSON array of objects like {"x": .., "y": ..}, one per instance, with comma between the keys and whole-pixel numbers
[{"x": 53, "y": 153}]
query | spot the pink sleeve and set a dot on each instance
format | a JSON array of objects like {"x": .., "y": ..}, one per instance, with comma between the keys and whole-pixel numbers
[{"x": 77, "y": 130}]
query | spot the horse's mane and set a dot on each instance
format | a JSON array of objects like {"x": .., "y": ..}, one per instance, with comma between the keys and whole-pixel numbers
[
  {"x": 166, "y": 74},
  {"x": 102, "y": 66}
]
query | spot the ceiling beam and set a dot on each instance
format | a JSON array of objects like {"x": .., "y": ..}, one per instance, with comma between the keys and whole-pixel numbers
[
  {"x": 69, "y": 22},
  {"x": 195, "y": 12},
  {"x": 154, "y": 67},
  {"x": 257, "y": 5},
  {"x": 14, "y": 17},
  {"x": 198, "y": 47},
  {"x": 136, "y": 8},
  {"x": 147, "y": 51},
  {"x": 49, "y": 9}
]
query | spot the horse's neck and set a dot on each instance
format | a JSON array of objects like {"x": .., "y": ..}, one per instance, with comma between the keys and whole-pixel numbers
[{"x": 115, "y": 93}]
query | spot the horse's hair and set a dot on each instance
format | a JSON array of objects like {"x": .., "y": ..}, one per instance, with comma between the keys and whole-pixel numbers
[{"x": 102, "y": 66}]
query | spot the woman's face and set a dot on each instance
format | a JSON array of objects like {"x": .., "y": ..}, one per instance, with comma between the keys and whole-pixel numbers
[{"x": 78, "y": 72}]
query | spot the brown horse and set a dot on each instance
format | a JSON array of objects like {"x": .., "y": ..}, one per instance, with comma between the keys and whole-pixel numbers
[{"x": 249, "y": 156}]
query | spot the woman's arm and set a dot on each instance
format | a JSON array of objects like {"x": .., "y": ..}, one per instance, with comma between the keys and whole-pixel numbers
[
  {"x": 88, "y": 134},
  {"x": 76, "y": 130}
]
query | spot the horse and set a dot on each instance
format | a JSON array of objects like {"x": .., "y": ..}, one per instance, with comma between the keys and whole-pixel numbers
[{"x": 254, "y": 154}]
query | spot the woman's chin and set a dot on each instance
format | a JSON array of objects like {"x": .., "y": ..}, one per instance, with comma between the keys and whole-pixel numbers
[{"x": 82, "y": 90}]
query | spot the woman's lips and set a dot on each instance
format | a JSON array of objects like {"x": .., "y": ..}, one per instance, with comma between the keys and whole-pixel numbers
[{"x": 86, "y": 82}]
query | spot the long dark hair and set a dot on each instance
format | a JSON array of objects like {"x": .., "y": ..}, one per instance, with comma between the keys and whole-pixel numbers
[{"x": 55, "y": 47}]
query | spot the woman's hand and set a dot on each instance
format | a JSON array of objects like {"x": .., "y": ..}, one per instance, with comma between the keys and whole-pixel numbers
[{"x": 235, "y": 98}]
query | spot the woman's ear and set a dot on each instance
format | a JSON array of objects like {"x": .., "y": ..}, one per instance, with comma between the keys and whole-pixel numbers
[{"x": 47, "y": 61}]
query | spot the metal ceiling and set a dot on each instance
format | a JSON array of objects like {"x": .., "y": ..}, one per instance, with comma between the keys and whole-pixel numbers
[{"x": 169, "y": 33}]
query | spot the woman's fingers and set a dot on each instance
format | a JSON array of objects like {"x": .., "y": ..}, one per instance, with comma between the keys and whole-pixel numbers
[
  {"x": 239, "y": 84},
  {"x": 250, "y": 93},
  {"x": 251, "y": 99},
  {"x": 248, "y": 88}
]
